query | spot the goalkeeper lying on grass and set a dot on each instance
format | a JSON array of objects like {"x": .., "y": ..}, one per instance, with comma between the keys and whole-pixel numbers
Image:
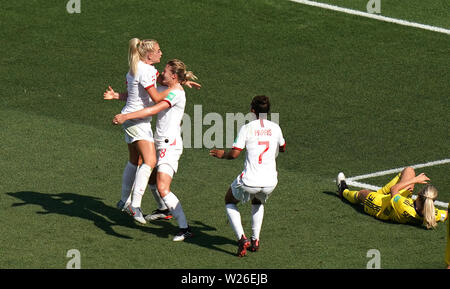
[{"x": 394, "y": 201}]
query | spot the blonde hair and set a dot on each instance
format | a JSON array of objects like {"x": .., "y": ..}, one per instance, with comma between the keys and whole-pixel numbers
[
  {"x": 138, "y": 50},
  {"x": 428, "y": 194},
  {"x": 179, "y": 68}
]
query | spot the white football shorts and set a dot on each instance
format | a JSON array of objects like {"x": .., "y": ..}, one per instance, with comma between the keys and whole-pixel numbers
[
  {"x": 245, "y": 193},
  {"x": 137, "y": 130},
  {"x": 168, "y": 156}
]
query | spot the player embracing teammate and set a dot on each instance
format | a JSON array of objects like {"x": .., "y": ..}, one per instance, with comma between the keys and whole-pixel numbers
[
  {"x": 261, "y": 138},
  {"x": 168, "y": 101},
  {"x": 168, "y": 141}
]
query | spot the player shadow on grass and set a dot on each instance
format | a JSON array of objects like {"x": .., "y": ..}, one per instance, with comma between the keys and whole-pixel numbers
[
  {"x": 200, "y": 238},
  {"x": 80, "y": 206},
  {"x": 358, "y": 208},
  {"x": 106, "y": 217}
]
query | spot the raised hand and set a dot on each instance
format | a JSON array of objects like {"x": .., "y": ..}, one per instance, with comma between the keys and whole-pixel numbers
[
  {"x": 110, "y": 94},
  {"x": 422, "y": 179}
]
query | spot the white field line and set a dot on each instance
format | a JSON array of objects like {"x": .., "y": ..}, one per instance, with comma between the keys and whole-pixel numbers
[
  {"x": 376, "y": 188},
  {"x": 373, "y": 16},
  {"x": 362, "y": 185},
  {"x": 397, "y": 170},
  {"x": 352, "y": 181}
]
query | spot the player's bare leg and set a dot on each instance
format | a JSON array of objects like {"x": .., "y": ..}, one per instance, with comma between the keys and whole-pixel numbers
[
  {"x": 362, "y": 195},
  {"x": 354, "y": 197},
  {"x": 408, "y": 173}
]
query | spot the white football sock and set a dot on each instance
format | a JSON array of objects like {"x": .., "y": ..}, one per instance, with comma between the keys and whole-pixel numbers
[
  {"x": 129, "y": 174},
  {"x": 175, "y": 208},
  {"x": 235, "y": 219},
  {"x": 158, "y": 199},
  {"x": 140, "y": 184},
  {"x": 257, "y": 220}
]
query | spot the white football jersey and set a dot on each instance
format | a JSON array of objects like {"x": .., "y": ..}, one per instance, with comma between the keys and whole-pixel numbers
[
  {"x": 138, "y": 97},
  {"x": 168, "y": 122},
  {"x": 262, "y": 139}
]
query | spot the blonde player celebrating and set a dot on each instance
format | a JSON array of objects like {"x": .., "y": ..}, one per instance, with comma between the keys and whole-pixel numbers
[
  {"x": 141, "y": 86},
  {"x": 169, "y": 143},
  {"x": 263, "y": 140},
  {"x": 394, "y": 201}
]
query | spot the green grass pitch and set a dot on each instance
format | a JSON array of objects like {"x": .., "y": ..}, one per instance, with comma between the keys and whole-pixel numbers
[{"x": 353, "y": 94}]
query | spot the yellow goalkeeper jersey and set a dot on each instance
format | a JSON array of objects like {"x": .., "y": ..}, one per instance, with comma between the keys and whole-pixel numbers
[
  {"x": 403, "y": 211},
  {"x": 399, "y": 208}
]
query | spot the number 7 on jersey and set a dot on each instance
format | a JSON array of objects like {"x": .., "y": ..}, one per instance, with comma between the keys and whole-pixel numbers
[{"x": 263, "y": 143}]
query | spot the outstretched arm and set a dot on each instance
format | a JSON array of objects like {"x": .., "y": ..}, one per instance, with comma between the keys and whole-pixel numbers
[
  {"x": 111, "y": 94},
  {"x": 221, "y": 154},
  {"x": 143, "y": 113}
]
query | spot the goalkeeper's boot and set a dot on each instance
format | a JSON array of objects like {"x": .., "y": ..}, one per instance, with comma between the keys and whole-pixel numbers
[
  {"x": 243, "y": 244},
  {"x": 341, "y": 184},
  {"x": 136, "y": 213},
  {"x": 159, "y": 215}
]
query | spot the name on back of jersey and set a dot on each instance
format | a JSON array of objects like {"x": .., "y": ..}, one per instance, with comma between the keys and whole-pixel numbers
[{"x": 263, "y": 132}]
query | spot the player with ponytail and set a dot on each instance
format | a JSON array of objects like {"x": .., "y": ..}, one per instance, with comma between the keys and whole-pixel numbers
[
  {"x": 425, "y": 201},
  {"x": 141, "y": 93},
  {"x": 394, "y": 201},
  {"x": 147, "y": 52},
  {"x": 168, "y": 141}
]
